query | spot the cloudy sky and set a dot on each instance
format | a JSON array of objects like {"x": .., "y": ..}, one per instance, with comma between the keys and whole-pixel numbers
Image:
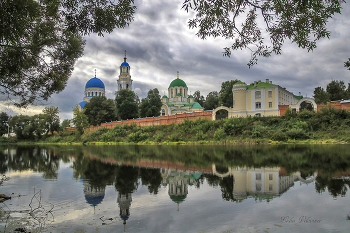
[{"x": 159, "y": 43}]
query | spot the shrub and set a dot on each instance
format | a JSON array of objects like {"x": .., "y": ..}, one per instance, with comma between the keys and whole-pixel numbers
[
  {"x": 158, "y": 137},
  {"x": 296, "y": 133},
  {"x": 174, "y": 137},
  {"x": 219, "y": 134},
  {"x": 201, "y": 136},
  {"x": 137, "y": 136},
  {"x": 279, "y": 136}
]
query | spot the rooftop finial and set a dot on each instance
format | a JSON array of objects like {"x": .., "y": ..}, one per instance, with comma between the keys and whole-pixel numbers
[
  {"x": 95, "y": 72},
  {"x": 178, "y": 74},
  {"x": 125, "y": 57}
]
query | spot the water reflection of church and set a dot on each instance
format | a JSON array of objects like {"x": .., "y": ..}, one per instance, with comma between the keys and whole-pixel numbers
[
  {"x": 178, "y": 182},
  {"x": 258, "y": 183}
]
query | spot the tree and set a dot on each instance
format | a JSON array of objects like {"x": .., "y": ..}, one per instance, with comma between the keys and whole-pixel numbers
[
  {"x": 151, "y": 105},
  {"x": 18, "y": 124},
  {"x": 198, "y": 97},
  {"x": 320, "y": 95},
  {"x": 38, "y": 124},
  {"x": 80, "y": 120},
  {"x": 347, "y": 64},
  {"x": 226, "y": 94},
  {"x": 301, "y": 21},
  {"x": 40, "y": 41},
  {"x": 52, "y": 119},
  {"x": 212, "y": 101},
  {"x": 127, "y": 104},
  {"x": 4, "y": 121},
  {"x": 100, "y": 109},
  {"x": 336, "y": 90},
  {"x": 65, "y": 123}
]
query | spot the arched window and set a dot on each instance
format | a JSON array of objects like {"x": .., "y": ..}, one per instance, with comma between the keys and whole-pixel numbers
[
  {"x": 99, "y": 93},
  {"x": 92, "y": 94},
  {"x": 258, "y": 114},
  {"x": 127, "y": 86},
  {"x": 89, "y": 93},
  {"x": 121, "y": 87},
  {"x": 96, "y": 93},
  {"x": 163, "y": 112}
]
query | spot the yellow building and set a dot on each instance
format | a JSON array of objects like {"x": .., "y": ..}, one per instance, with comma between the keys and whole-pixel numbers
[
  {"x": 262, "y": 99},
  {"x": 179, "y": 101}
]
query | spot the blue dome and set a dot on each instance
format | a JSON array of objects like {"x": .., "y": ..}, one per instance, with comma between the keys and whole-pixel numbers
[
  {"x": 94, "y": 200},
  {"x": 124, "y": 64},
  {"x": 82, "y": 104},
  {"x": 95, "y": 83}
]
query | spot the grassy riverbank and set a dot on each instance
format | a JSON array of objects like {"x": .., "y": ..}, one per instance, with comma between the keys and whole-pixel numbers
[{"x": 326, "y": 126}]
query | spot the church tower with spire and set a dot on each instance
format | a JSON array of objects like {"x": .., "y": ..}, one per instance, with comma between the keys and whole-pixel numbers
[{"x": 124, "y": 81}]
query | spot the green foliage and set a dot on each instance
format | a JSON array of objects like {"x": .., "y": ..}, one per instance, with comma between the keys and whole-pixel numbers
[
  {"x": 198, "y": 98},
  {"x": 321, "y": 96},
  {"x": 127, "y": 104},
  {"x": 158, "y": 137},
  {"x": 296, "y": 133},
  {"x": 51, "y": 119},
  {"x": 302, "y": 22},
  {"x": 65, "y": 123},
  {"x": 174, "y": 137},
  {"x": 212, "y": 101},
  {"x": 336, "y": 90},
  {"x": 201, "y": 136},
  {"x": 151, "y": 105},
  {"x": 99, "y": 110},
  {"x": 226, "y": 94},
  {"x": 94, "y": 136},
  {"x": 219, "y": 134},
  {"x": 42, "y": 40},
  {"x": 235, "y": 126},
  {"x": 4, "y": 122},
  {"x": 80, "y": 120},
  {"x": 137, "y": 136}
]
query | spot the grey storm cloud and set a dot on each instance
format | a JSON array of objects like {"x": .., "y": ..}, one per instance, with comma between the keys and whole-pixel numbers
[{"x": 159, "y": 43}]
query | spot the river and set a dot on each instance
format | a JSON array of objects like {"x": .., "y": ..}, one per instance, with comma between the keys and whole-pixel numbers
[{"x": 202, "y": 188}]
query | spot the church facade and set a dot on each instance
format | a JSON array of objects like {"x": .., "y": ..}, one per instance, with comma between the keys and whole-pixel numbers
[{"x": 178, "y": 101}]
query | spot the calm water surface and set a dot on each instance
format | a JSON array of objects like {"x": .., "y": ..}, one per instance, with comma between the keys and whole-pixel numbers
[{"x": 176, "y": 188}]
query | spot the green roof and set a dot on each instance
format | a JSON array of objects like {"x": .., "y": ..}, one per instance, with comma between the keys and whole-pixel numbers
[
  {"x": 298, "y": 97},
  {"x": 164, "y": 97},
  {"x": 191, "y": 96},
  {"x": 178, "y": 198},
  {"x": 260, "y": 85},
  {"x": 178, "y": 94},
  {"x": 177, "y": 83},
  {"x": 196, "y": 105},
  {"x": 239, "y": 82}
]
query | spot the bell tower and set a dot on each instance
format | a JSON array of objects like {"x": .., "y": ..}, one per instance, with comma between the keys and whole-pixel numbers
[{"x": 124, "y": 81}]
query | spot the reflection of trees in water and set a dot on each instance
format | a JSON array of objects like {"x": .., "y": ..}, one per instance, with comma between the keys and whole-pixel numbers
[
  {"x": 38, "y": 159},
  {"x": 336, "y": 187},
  {"x": 151, "y": 178},
  {"x": 126, "y": 179},
  {"x": 226, "y": 185}
]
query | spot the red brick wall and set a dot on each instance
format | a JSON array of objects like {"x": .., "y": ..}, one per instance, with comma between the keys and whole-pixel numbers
[
  {"x": 162, "y": 120},
  {"x": 283, "y": 109}
]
